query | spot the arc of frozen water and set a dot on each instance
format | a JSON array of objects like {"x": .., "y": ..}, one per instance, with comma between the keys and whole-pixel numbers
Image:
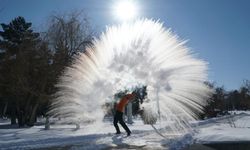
[{"x": 141, "y": 52}]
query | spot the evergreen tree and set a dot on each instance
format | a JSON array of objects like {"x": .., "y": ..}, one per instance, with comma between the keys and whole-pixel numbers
[{"x": 25, "y": 64}]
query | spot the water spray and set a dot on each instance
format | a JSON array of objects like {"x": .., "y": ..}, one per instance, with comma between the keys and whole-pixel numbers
[{"x": 140, "y": 52}]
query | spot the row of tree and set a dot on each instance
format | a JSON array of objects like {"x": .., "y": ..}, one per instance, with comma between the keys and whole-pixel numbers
[
  {"x": 223, "y": 101},
  {"x": 31, "y": 62}
]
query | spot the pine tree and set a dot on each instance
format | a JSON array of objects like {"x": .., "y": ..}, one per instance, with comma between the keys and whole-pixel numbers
[{"x": 25, "y": 64}]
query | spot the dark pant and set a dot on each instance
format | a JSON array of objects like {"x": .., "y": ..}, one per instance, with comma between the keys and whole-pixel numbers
[{"x": 118, "y": 117}]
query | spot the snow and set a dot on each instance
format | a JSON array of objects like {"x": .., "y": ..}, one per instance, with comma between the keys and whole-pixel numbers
[
  {"x": 102, "y": 136},
  {"x": 221, "y": 130},
  {"x": 86, "y": 137}
]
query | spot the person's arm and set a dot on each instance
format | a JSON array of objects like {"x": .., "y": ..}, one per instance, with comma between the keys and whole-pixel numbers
[{"x": 131, "y": 96}]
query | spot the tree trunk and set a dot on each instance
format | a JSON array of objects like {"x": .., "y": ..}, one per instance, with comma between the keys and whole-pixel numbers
[
  {"x": 13, "y": 116},
  {"x": 27, "y": 110},
  {"x": 33, "y": 115},
  {"x": 21, "y": 120},
  {"x": 5, "y": 109},
  {"x": 20, "y": 116}
]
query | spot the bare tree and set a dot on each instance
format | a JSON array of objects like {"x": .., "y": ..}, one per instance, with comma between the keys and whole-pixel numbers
[
  {"x": 70, "y": 32},
  {"x": 67, "y": 35}
]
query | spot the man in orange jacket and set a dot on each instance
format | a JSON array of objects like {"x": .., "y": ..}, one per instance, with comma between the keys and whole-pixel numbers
[{"x": 120, "y": 107}]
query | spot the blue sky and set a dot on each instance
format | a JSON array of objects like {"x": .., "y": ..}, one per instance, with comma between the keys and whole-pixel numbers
[{"x": 217, "y": 30}]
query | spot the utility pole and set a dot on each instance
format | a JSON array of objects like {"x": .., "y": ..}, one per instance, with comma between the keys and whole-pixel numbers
[
  {"x": 129, "y": 113},
  {"x": 158, "y": 103},
  {"x": 47, "y": 123}
]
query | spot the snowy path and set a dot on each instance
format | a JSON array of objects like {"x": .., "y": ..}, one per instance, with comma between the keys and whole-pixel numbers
[
  {"x": 102, "y": 137},
  {"x": 143, "y": 136}
]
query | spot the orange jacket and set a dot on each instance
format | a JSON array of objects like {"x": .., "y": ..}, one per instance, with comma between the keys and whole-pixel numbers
[{"x": 123, "y": 102}]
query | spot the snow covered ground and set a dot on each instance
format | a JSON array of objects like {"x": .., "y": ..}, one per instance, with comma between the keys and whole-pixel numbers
[
  {"x": 224, "y": 129},
  {"x": 143, "y": 137},
  {"x": 87, "y": 137}
]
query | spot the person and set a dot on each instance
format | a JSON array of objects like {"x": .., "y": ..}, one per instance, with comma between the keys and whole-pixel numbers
[{"x": 119, "y": 110}]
